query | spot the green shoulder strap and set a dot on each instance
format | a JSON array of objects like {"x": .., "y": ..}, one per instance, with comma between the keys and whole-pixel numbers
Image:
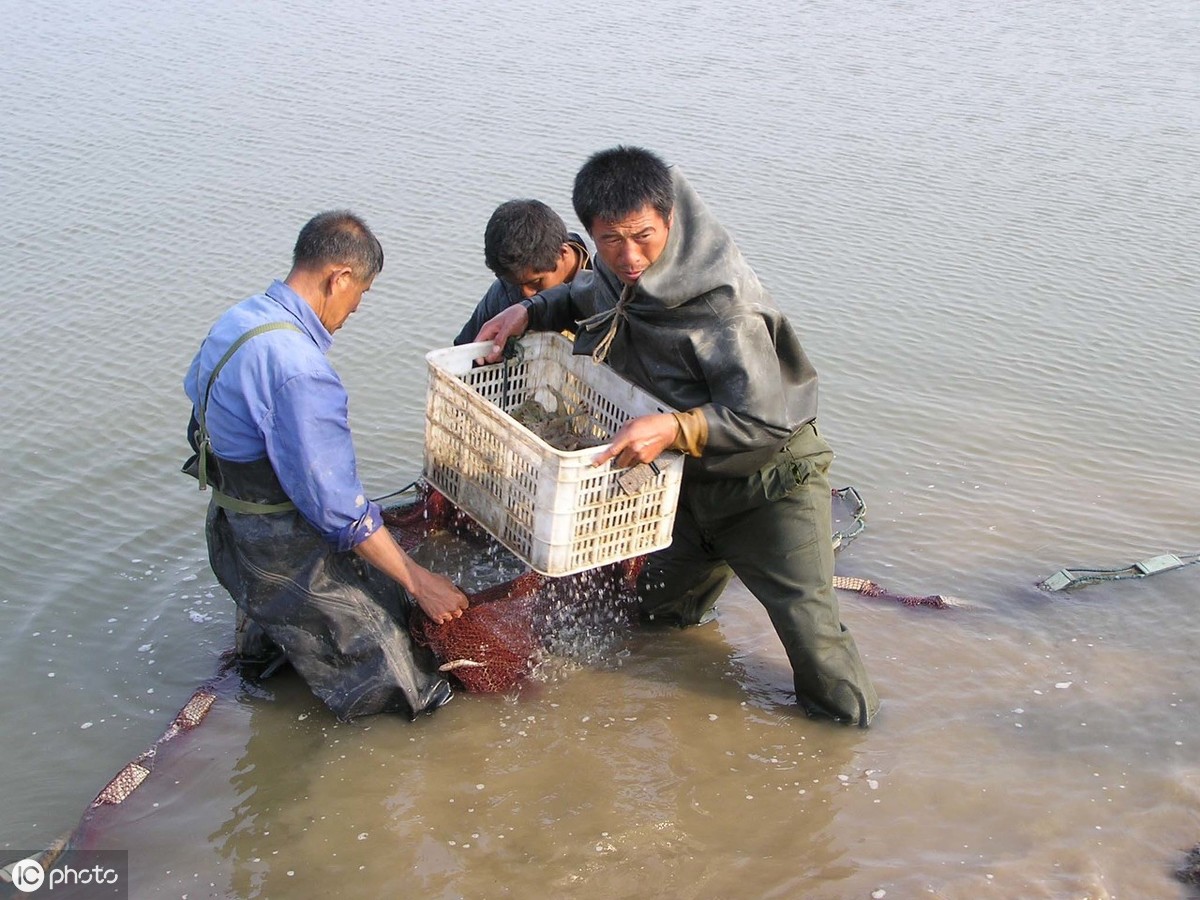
[{"x": 205, "y": 445}]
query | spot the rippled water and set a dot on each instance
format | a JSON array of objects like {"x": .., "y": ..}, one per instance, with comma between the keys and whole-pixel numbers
[{"x": 983, "y": 219}]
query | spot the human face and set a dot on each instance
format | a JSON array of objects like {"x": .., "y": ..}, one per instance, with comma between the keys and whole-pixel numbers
[
  {"x": 631, "y": 244},
  {"x": 530, "y": 281},
  {"x": 345, "y": 295}
]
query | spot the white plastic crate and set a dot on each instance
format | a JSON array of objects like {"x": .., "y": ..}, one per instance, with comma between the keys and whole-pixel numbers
[{"x": 550, "y": 507}]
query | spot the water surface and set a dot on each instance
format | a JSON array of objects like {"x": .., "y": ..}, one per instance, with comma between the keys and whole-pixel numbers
[{"x": 982, "y": 218}]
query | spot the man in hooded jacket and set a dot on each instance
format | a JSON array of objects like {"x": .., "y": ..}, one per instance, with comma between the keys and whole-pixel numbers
[{"x": 673, "y": 307}]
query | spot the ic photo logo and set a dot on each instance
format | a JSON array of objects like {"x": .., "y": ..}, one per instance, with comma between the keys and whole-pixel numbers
[
  {"x": 99, "y": 874},
  {"x": 28, "y": 875}
]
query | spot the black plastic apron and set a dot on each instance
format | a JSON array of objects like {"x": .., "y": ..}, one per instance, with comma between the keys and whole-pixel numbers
[{"x": 342, "y": 624}]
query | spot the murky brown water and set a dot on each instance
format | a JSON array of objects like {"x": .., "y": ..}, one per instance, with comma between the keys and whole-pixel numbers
[{"x": 983, "y": 219}]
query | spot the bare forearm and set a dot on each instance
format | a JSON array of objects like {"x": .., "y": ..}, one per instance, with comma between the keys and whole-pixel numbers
[
  {"x": 434, "y": 593},
  {"x": 382, "y": 551}
]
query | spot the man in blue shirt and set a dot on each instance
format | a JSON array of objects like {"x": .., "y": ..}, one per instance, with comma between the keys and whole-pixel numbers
[
  {"x": 528, "y": 248},
  {"x": 291, "y": 534}
]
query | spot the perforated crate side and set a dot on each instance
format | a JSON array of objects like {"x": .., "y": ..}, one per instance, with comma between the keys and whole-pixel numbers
[
  {"x": 606, "y": 524},
  {"x": 548, "y": 506},
  {"x": 475, "y": 459}
]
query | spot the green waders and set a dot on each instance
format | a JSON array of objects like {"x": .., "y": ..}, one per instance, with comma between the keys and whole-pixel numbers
[{"x": 773, "y": 530}]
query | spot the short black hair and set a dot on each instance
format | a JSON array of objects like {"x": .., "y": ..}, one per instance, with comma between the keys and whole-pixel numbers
[
  {"x": 341, "y": 237},
  {"x": 616, "y": 182},
  {"x": 523, "y": 234}
]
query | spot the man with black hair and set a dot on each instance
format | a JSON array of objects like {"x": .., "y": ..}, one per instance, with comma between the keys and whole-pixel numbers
[
  {"x": 528, "y": 248},
  {"x": 315, "y": 574},
  {"x": 674, "y": 307}
]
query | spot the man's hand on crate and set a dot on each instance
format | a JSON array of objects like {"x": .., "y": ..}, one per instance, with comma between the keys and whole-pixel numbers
[
  {"x": 511, "y": 323},
  {"x": 640, "y": 440}
]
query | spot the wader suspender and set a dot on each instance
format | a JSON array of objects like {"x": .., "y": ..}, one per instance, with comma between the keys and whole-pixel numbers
[{"x": 205, "y": 445}]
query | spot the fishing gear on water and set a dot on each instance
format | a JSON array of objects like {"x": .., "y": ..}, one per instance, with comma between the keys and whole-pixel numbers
[{"x": 1071, "y": 578}]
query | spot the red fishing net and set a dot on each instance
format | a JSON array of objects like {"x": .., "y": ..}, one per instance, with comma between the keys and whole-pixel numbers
[
  {"x": 430, "y": 511},
  {"x": 493, "y": 646},
  {"x": 501, "y": 636}
]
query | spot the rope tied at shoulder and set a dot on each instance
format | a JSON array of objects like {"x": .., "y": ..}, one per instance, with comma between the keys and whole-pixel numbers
[{"x": 612, "y": 318}]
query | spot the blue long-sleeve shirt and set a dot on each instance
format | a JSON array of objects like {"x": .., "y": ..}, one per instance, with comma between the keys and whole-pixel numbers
[{"x": 278, "y": 397}]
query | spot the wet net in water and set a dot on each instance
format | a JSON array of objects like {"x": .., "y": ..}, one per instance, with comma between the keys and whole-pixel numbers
[
  {"x": 520, "y": 619},
  {"x": 517, "y": 619}
]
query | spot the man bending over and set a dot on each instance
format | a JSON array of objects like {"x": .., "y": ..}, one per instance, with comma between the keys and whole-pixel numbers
[
  {"x": 529, "y": 249},
  {"x": 290, "y": 533}
]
